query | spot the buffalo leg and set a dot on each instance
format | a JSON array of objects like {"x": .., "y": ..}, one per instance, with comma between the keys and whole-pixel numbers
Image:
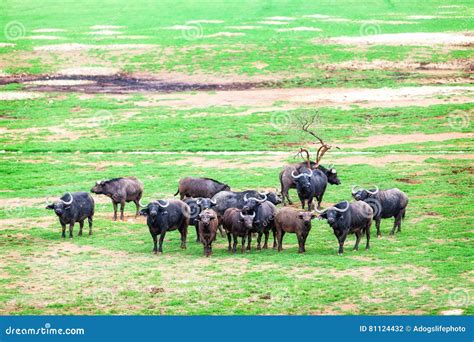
[
  {"x": 197, "y": 232},
  {"x": 81, "y": 225},
  {"x": 377, "y": 225},
  {"x": 300, "y": 243},
  {"x": 71, "y": 226},
  {"x": 358, "y": 235},
  {"x": 137, "y": 204},
  {"x": 274, "y": 238},
  {"x": 162, "y": 237},
  {"x": 115, "y": 210},
  {"x": 63, "y": 227},
  {"x": 267, "y": 235},
  {"x": 155, "y": 242},
  {"x": 220, "y": 231},
  {"x": 341, "y": 238},
  {"x": 183, "y": 230},
  {"x": 243, "y": 243},
  {"x": 122, "y": 205},
  {"x": 249, "y": 243},
  {"x": 367, "y": 236},
  {"x": 234, "y": 245},
  {"x": 89, "y": 220},
  {"x": 398, "y": 221},
  {"x": 229, "y": 239},
  {"x": 280, "y": 235}
]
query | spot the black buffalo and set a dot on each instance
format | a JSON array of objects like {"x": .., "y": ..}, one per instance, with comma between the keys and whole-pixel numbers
[
  {"x": 345, "y": 218},
  {"x": 237, "y": 224},
  {"x": 310, "y": 184},
  {"x": 246, "y": 200},
  {"x": 263, "y": 223},
  {"x": 385, "y": 203},
  {"x": 120, "y": 190},
  {"x": 287, "y": 182},
  {"x": 163, "y": 216},
  {"x": 199, "y": 187},
  {"x": 72, "y": 208}
]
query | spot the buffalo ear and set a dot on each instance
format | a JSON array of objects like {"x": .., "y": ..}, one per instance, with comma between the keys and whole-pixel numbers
[
  {"x": 50, "y": 206},
  {"x": 144, "y": 212}
]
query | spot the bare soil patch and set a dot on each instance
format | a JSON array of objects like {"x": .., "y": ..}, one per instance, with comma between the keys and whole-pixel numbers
[
  {"x": 396, "y": 139},
  {"x": 274, "y": 161},
  {"x": 413, "y": 38}
]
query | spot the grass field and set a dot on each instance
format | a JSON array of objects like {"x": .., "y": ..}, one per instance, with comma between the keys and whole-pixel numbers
[{"x": 161, "y": 90}]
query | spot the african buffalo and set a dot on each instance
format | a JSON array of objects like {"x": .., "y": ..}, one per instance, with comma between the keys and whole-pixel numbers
[
  {"x": 290, "y": 220},
  {"x": 207, "y": 227},
  {"x": 199, "y": 187},
  {"x": 164, "y": 216},
  {"x": 263, "y": 222},
  {"x": 196, "y": 206},
  {"x": 385, "y": 203},
  {"x": 120, "y": 190},
  {"x": 287, "y": 182},
  {"x": 72, "y": 208},
  {"x": 237, "y": 224},
  {"x": 248, "y": 199},
  {"x": 345, "y": 218}
]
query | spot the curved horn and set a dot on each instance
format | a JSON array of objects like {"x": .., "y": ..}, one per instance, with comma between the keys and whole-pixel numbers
[
  {"x": 245, "y": 198},
  {"x": 262, "y": 200},
  {"x": 354, "y": 187},
  {"x": 253, "y": 215},
  {"x": 342, "y": 210},
  {"x": 198, "y": 201},
  {"x": 373, "y": 192},
  {"x": 242, "y": 215},
  {"x": 140, "y": 204},
  {"x": 297, "y": 176},
  {"x": 213, "y": 201},
  {"x": 320, "y": 212},
  {"x": 70, "y": 196},
  {"x": 167, "y": 203},
  {"x": 310, "y": 174}
]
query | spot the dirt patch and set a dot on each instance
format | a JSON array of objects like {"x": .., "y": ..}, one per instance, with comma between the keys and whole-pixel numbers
[
  {"x": 397, "y": 158},
  {"x": 85, "y": 47},
  {"x": 106, "y": 27},
  {"x": 299, "y": 29},
  {"x": 399, "y": 39},
  {"x": 469, "y": 169},
  {"x": 274, "y": 161},
  {"x": 377, "y": 64},
  {"x": 205, "y": 21},
  {"x": 44, "y": 37},
  {"x": 48, "y": 30},
  {"x": 452, "y": 312},
  {"x": 225, "y": 34},
  {"x": 342, "y": 98},
  {"x": 59, "y": 82},
  {"x": 6, "y": 45},
  {"x": 89, "y": 71},
  {"x": 396, "y": 139},
  {"x": 105, "y": 33},
  {"x": 244, "y": 27},
  {"x": 15, "y": 223},
  {"x": 273, "y": 22},
  {"x": 18, "y": 95},
  {"x": 409, "y": 180}
]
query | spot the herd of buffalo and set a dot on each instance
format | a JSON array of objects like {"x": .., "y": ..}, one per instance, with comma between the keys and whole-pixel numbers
[{"x": 212, "y": 206}]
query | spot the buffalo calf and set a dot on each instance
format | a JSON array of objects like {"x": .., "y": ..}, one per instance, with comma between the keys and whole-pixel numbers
[
  {"x": 289, "y": 220},
  {"x": 207, "y": 227},
  {"x": 237, "y": 224}
]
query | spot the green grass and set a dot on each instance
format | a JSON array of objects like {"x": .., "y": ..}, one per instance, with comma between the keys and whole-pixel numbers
[{"x": 289, "y": 52}]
